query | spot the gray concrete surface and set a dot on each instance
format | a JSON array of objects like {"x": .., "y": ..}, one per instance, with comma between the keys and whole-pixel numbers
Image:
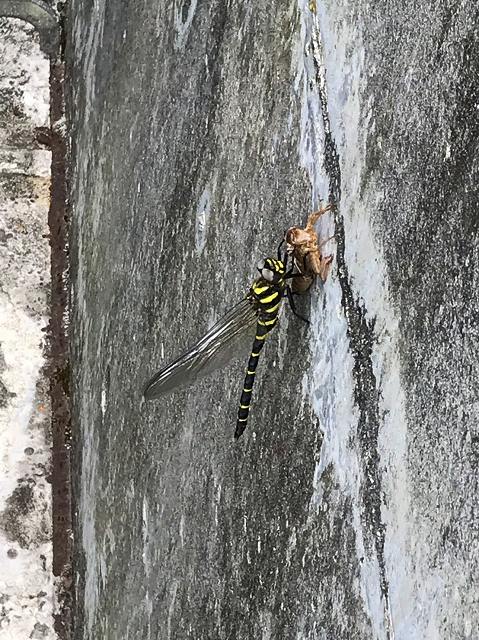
[{"x": 200, "y": 132}]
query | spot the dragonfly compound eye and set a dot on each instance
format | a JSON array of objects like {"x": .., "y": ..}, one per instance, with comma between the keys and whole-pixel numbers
[{"x": 267, "y": 274}]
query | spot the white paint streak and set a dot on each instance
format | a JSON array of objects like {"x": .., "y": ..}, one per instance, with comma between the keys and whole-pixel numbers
[
  {"x": 183, "y": 22},
  {"x": 368, "y": 272},
  {"x": 414, "y": 607},
  {"x": 331, "y": 382},
  {"x": 202, "y": 220},
  {"x": 171, "y": 608},
  {"x": 103, "y": 400}
]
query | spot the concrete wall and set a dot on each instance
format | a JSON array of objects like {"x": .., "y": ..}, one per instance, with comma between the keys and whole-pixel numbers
[{"x": 26, "y": 582}]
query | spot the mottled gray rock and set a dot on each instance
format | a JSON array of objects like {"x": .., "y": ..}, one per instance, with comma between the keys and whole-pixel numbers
[{"x": 347, "y": 509}]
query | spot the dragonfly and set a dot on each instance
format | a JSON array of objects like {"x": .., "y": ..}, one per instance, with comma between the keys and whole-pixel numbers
[{"x": 258, "y": 310}]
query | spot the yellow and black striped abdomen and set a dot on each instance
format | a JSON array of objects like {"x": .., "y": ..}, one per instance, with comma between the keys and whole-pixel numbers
[
  {"x": 268, "y": 299},
  {"x": 263, "y": 327}
]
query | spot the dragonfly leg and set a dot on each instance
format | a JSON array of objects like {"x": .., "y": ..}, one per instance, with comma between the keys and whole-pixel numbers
[
  {"x": 292, "y": 304},
  {"x": 280, "y": 245}
]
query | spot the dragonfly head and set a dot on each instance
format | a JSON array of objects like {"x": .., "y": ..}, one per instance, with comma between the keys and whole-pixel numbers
[{"x": 271, "y": 270}]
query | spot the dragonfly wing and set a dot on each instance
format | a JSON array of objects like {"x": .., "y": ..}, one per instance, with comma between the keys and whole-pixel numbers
[{"x": 212, "y": 351}]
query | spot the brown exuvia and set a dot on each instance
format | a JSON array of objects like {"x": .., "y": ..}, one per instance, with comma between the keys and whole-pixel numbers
[{"x": 303, "y": 246}]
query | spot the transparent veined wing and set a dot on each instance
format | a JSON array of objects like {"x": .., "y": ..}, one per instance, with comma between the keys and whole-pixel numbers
[{"x": 211, "y": 352}]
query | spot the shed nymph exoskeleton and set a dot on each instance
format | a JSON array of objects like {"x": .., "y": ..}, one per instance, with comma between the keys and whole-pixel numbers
[{"x": 305, "y": 249}]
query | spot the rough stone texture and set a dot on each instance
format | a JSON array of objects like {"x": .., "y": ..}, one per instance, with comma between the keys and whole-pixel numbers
[
  {"x": 26, "y": 586},
  {"x": 201, "y": 131}
]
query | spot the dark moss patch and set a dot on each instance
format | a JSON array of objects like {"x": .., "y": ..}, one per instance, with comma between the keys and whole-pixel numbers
[
  {"x": 5, "y": 395},
  {"x": 14, "y": 520}
]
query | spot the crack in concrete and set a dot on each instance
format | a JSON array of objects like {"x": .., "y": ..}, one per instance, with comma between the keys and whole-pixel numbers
[
  {"x": 360, "y": 333},
  {"x": 59, "y": 365}
]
